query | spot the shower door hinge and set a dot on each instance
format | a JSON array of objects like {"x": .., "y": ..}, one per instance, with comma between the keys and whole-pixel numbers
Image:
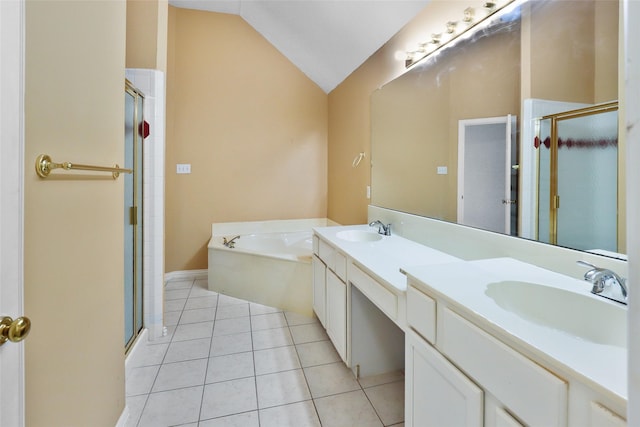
[
  {"x": 133, "y": 215},
  {"x": 556, "y": 202}
]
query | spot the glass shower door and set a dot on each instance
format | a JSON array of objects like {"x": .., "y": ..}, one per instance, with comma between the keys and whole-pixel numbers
[
  {"x": 588, "y": 182},
  {"x": 133, "y": 217}
]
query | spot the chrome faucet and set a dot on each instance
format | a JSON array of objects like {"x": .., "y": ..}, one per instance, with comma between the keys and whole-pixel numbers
[
  {"x": 604, "y": 281},
  {"x": 230, "y": 243},
  {"x": 382, "y": 229}
]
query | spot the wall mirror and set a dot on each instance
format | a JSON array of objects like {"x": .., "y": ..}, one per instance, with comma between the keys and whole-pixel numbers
[{"x": 465, "y": 135}]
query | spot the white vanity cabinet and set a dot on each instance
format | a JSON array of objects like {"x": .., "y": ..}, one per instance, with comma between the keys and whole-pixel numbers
[
  {"x": 452, "y": 358},
  {"x": 319, "y": 288},
  {"x": 330, "y": 292},
  {"x": 336, "y": 321},
  {"x": 436, "y": 392}
]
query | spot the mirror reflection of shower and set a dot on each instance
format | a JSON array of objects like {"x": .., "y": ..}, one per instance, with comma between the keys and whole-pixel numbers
[{"x": 578, "y": 178}]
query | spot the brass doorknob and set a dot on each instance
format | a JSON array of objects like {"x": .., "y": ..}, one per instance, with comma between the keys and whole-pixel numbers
[{"x": 14, "y": 330}]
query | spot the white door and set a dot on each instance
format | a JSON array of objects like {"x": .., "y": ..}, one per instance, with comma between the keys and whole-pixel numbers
[
  {"x": 485, "y": 173},
  {"x": 11, "y": 210}
]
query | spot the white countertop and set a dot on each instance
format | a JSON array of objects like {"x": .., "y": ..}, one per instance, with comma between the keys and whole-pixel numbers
[
  {"x": 462, "y": 285},
  {"x": 383, "y": 259}
]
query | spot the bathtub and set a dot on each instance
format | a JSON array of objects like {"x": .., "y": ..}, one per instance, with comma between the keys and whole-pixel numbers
[{"x": 269, "y": 264}]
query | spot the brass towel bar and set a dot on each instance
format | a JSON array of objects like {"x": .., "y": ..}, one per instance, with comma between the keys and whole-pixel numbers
[{"x": 44, "y": 166}]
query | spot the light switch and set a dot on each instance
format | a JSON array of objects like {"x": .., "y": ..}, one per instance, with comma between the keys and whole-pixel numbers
[
  {"x": 442, "y": 170},
  {"x": 183, "y": 168}
]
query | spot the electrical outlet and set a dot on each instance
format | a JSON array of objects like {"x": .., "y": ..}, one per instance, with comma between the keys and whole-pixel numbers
[
  {"x": 442, "y": 170},
  {"x": 183, "y": 168}
]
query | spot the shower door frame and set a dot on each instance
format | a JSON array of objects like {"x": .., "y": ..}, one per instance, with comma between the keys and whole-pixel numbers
[{"x": 136, "y": 216}]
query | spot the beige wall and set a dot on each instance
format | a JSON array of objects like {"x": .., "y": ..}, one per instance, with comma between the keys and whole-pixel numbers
[
  {"x": 147, "y": 34},
  {"x": 252, "y": 126},
  {"x": 75, "y": 53}
]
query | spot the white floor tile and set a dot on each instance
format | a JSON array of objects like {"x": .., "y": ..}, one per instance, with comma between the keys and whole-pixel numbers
[
  {"x": 230, "y": 367},
  {"x": 174, "y": 305},
  {"x": 229, "y": 344},
  {"x": 317, "y": 353},
  {"x": 386, "y": 378},
  {"x": 147, "y": 355},
  {"x": 227, "y": 300},
  {"x": 294, "y": 319},
  {"x": 348, "y": 409},
  {"x": 140, "y": 380},
  {"x": 257, "y": 309},
  {"x": 180, "y": 375},
  {"x": 165, "y": 339},
  {"x": 135, "y": 404},
  {"x": 247, "y": 419},
  {"x": 276, "y": 360},
  {"x": 171, "y": 318},
  {"x": 201, "y": 302},
  {"x": 282, "y": 388},
  {"x": 270, "y": 338},
  {"x": 180, "y": 351},
  {"x": 178, "y": 284},
  {"x": 325, "y": 380},
  {"x": 193, "y": 331},
  {"x": 231, "y": 326},
  {"x": 232, "y": 311},
  {"x": 268, "y": 321},
  {"x": 198, "y": 315},
  {"x": 308, "y": 333},
  {"x": 170, "y": 408},
  {"x": 176, "y": 294},
  {"x": 229, "y": 397},
  {"x": 301, "y": 414},
  {"x": 388, "y": 402}
]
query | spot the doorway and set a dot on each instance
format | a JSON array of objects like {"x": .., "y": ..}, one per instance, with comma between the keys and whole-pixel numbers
[
  {"x": 488, "y": 174},
  {"x": 133, "y": 290}
]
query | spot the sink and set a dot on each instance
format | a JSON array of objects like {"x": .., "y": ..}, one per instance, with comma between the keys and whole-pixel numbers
[
  {"x": 358, "y": 236},
  {"x": 580, "y": 315}
]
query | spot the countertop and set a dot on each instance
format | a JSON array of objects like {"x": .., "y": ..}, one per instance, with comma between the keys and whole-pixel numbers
[
  {"x": 463, "y": 284},
  {"x": 384, "y": 259}
]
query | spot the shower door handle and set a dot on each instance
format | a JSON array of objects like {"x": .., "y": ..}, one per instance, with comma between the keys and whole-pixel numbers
[
  {"x": 509, "y": 202},
  {"x": 14, "y": 330}
]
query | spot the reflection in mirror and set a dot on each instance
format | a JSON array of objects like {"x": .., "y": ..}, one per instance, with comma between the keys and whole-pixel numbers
[{"x": 436, "y": 129}]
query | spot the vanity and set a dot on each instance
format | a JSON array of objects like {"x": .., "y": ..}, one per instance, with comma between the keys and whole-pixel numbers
[{"x": 493, "y": 342}]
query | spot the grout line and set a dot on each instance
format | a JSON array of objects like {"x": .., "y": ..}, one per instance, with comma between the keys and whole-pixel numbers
[{"x": 206, "y": 370}]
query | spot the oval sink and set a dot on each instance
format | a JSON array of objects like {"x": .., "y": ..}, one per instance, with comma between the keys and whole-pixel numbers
[
  {"x": 579, "y": 315},
  {"x": 358, "y": 236}
]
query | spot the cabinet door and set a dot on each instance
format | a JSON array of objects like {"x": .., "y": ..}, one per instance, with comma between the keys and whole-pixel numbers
[
  {"x": 319, "y": 292},
  {"x": 436, "y": 392},
  {"x": 337, "y": 313}
]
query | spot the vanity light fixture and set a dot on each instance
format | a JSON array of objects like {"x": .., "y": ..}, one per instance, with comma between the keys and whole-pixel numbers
[
  {"x": 468, "y": 15},
  {"x": 453, "y": 31}
]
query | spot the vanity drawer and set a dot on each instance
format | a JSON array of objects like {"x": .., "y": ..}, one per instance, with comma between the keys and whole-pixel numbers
[
  {"x": 421, "y": 313},
  {"x": 327, "y": 254},
  {"x": 532, "y": 393},
  {"x": 377, "y": 293},
  {"x": 341, "y": 266}
]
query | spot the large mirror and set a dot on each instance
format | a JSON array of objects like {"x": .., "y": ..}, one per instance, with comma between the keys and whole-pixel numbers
[{"x": 465, "y": 135}]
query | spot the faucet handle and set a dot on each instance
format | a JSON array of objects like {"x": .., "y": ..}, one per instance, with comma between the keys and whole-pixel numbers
[{"x": 586, "y": 264}]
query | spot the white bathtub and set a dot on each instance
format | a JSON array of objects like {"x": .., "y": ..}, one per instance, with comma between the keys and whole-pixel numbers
[{"x": 270, "y": 263}]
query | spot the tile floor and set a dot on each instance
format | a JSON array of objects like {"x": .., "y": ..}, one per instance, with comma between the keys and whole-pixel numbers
[{"x": 229, "y": 362}]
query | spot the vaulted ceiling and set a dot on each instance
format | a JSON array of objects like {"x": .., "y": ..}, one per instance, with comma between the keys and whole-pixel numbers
[{"x": 326, "y": 39}]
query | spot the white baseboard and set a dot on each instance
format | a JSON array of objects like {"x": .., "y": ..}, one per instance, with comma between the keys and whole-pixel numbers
[
  {"x": 186, "y": 274},
  {"x": 124, "y": 417},
  {"x": 141, "y": 341}
]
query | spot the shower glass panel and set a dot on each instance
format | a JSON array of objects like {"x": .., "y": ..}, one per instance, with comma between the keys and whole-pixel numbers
[
  {"x": 133, "y": 217},
  {"x": 588, "y": 182},
  {"x": 129, "y": 143}
]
